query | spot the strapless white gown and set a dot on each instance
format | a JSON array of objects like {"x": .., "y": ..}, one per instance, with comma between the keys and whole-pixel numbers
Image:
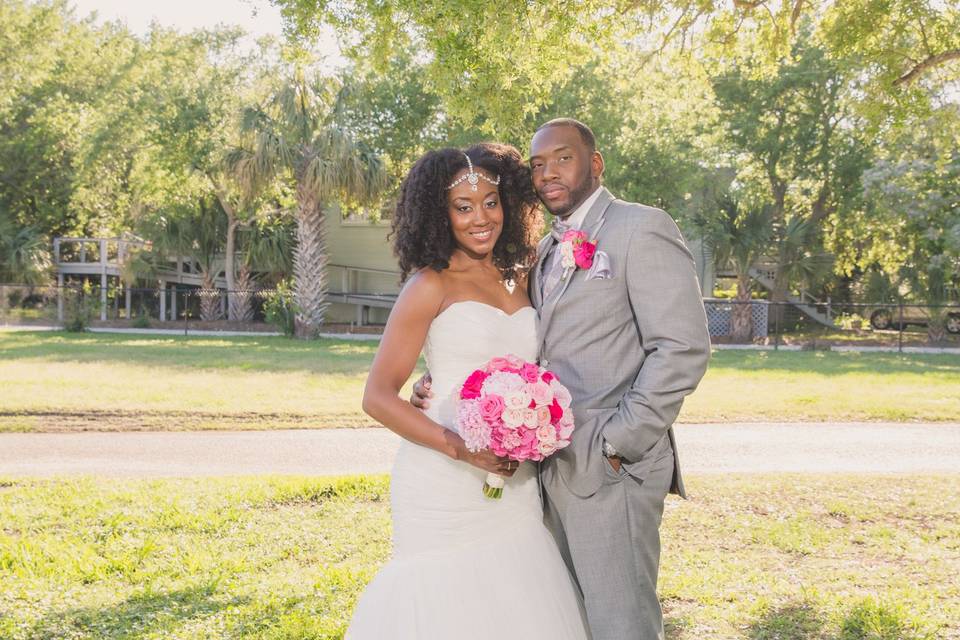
[{"x": 466, "y": 567}]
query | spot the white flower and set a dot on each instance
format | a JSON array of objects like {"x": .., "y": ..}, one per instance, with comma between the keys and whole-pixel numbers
[
  {"x": 530, "y": 418},
  {"x": 516, "y": 399},
  {"x": 566, "y": 255},
  {"x": 513, "y": 418},
  {"x": 502, "y": 383}
]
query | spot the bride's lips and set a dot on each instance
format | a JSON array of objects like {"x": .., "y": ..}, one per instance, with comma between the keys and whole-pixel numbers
[{"x": 482, "y": 236}]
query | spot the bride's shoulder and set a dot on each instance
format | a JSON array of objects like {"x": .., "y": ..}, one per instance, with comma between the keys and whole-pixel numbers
[{"x": 425, "y": 289}]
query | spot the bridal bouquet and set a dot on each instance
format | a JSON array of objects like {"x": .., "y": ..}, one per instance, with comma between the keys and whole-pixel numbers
[{"x": 517, "y": 410}]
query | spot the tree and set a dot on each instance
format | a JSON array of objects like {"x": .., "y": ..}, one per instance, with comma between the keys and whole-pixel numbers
[
  {"x": 740, "y": 236},
  {"x": 296, "y": 134},
  {"x": 24, "y": 257},
  {"x": 193, "y": 230},
  {"x": 265, "y": 252}
]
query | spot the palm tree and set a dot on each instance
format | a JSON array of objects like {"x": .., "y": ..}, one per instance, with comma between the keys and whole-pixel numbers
[
  {"x": 263, "y": 249},
  {"x": 741, "y": 237},
  {"x": 296, "y": 133},
  {"x": 189, "y": 231},
  {"x": 24, "y": 256}
]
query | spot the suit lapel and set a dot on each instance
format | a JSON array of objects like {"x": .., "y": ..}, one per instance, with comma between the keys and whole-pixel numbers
[
  {"x": 536, "y": 277},
  {"x": 591, "y": 223}
]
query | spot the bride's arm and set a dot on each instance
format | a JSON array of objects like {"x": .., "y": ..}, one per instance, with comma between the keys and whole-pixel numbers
[{"x": 403, "y": 337}]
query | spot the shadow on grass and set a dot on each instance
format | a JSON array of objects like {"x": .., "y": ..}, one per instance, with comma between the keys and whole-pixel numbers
[
  {"x": 140, "y": 615},
  {"x": 793, "y": 621},
  {"x": 868, "y": 619}
]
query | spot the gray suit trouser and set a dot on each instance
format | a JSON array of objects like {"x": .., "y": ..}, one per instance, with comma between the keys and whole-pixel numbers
[{"x": 611, "y": 543}]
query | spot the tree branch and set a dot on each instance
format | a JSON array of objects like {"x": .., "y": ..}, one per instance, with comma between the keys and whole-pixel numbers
[{"x": 925, "y": 65}]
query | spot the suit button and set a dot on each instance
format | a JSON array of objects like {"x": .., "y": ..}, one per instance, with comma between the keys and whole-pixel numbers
[{"x": 544, "y": 363}]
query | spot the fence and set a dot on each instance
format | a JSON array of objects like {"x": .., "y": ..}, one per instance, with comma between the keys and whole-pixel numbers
[{"x": 882, "y": 324}]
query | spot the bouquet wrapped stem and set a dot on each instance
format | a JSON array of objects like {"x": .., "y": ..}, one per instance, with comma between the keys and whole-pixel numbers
[{"x": 493, "y": 486}]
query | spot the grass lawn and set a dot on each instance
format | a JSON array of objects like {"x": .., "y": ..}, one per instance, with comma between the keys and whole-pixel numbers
[
  {"x": 758, "y": 557},
  {"x": 61, "y": 381}
]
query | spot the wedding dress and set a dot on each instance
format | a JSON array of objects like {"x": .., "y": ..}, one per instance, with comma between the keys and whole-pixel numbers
[{"x": 464, "y": 566}]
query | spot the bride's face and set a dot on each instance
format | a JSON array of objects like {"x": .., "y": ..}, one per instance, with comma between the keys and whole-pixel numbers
[{"x": 476, "y": 217}]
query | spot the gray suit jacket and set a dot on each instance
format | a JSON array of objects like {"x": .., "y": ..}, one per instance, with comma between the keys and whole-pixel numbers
[{"x": 629, "y": 347}]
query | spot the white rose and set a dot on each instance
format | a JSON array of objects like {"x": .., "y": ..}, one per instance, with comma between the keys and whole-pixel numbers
[
  {"x": 517, "y": 399},
  {"x": 513, "y": 418},
  {"x": 530, "y": 418},
  {"x": 560, "y": 394}
]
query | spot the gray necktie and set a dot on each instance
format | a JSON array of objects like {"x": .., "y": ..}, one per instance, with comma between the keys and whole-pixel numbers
[{"x": 553, "y": 265}]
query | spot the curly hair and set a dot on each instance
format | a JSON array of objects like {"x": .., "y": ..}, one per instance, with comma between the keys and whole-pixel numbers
[{"x": 421, "y": 224}]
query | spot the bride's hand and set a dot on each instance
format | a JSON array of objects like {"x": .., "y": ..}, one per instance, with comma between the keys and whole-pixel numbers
[{"x": 486, "y": 459}]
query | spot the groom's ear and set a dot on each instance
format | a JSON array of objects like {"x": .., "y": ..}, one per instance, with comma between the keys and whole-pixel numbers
[{"x": 596, "y": 165}]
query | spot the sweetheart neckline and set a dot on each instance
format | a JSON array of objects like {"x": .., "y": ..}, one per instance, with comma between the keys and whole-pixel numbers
[{"x": 484, "y": 304}]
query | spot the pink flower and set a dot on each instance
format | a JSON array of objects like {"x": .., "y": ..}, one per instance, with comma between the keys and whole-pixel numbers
[
  {"x": 540, "y": 392},
  {"x": 561, "y": 394},
  {"x": 583, "y": 254},
  {"x": 511, "y": 440},
  {"x": 473, "y": 385},
  {"x": 530, "y": 372},
  {"x": 474, "y": 431},
  {"x": 515, "y": 362},
  {"x": 499, "y": 364},
  {"x": 547, "y": 433},
  {"x": 491, "y": 408},
  {"x": 547, "y": 448},
  {"x": 530, "y": 418},
  {"x": 547, "y": 377},
  {"x": 575, "y": 236},
  {"x": 556, "y": 412}
]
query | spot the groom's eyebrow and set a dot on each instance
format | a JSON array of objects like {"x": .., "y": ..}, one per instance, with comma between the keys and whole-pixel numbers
[{"x": 559, "y": 147}]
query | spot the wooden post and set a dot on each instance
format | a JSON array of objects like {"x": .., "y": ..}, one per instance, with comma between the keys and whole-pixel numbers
[
  {"x": 59, "y": 297},
  {"x": 126, "y": 292},
  {"x": 103, "y": 280},
  {"x": 163, "y": 300}
]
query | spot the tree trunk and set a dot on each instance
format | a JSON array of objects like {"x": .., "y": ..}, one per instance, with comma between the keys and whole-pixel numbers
[
  {"x": 241, "y": 301},
  {"x": 230, "y": 258},
  {"x": 209, "y": 299},
  {"x": 309, "y": 264},
  {"x": 741, "y": 321},
  {"x": 936, "y": 326}
]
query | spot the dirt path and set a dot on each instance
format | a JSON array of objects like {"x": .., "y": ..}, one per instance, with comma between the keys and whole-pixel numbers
[{"x": 704, "y": 448}]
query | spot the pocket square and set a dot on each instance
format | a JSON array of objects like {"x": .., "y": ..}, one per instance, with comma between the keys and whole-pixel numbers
[{"x": 600, "y": 269}]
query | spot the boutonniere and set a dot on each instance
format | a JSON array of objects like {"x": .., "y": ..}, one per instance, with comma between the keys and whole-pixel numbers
[{"x": 576, "y": 252}]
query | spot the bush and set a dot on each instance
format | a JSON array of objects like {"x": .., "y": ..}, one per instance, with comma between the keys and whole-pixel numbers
[
  {"x": 79, "y": 307},
  {"x": 281, "y": 309},
  {"x": 142, "y": 319}
]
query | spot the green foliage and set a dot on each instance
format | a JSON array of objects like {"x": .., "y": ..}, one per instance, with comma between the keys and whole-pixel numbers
[
  {"x": 24, "y": 256},
  {"x": 280, "y": 308},
  {"x": 79, "y": 307}
]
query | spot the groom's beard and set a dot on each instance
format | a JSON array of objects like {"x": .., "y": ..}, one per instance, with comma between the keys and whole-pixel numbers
[{"x": 577, "y": 196}]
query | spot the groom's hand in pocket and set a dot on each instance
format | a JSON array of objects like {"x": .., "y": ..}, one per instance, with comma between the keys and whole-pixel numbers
[{"x": 421, "y": 392}]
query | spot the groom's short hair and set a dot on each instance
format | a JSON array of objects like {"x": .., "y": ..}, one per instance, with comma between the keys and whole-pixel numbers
[{"x": 585, "y": 133}]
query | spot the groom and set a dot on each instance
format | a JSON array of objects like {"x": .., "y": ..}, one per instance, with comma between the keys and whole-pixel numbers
[{"x": 627, "y": 335}]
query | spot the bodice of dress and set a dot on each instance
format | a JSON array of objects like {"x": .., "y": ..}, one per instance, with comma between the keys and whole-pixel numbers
[{"x": 464, "y": 337}]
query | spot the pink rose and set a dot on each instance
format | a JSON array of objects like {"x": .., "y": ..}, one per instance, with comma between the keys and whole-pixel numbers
[
  {"x": 561, "y": 394},
  {"x": 511, "y": 440},
  {"x": 530, "y": 418},
  {"x": 471, "y": 388},
  {"x": 515, "y": 362},
  {"x": 540, "y": 392},
  {"x": 498, "y": 364},
  {"x": 491, "y": 407},
  {"x": 547, "y": 433},
  {"x": 512, "y": 418},
  {"x": 556, "y": 412},
  {"x": 530, "y": 372},
  {"x": 583, "y": 254},
  {"x": 574, "y": 235},
  {"x": 547, "y": 377},
  {"x": 547, "y": 448}
]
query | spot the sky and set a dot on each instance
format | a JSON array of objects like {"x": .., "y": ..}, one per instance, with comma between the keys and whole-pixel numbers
[{"x": 257, "y": 17}]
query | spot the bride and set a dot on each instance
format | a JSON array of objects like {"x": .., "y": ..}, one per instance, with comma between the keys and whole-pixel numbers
[{"x": 464, "y": 566}]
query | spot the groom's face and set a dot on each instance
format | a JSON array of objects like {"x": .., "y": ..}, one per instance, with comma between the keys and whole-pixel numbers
[{"x": 565, "y": 170}]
